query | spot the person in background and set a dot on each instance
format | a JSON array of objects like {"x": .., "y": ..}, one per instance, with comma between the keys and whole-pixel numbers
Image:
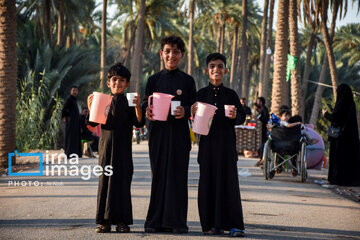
[
  {"x": 245, "y": 107},
  {"x": 71, "y": 117},
  {"x": 344, "y": 156},
  {"x": 263, "y": 117},
  {"x": 86, "y": 134}
]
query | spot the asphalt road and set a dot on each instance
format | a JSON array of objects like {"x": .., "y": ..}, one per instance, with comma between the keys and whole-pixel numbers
[{"x": 63, "y": 207}]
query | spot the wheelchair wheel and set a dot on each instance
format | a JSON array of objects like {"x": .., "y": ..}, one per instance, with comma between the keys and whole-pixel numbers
[
  {"x": 303, "y": 173},
  {"x": 268, "y": 161}
]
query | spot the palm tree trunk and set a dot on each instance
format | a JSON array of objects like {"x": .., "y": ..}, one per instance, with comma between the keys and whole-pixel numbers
[
  {"x": 8, "y": 76},
  {"x": 296, "y": 98},
  {"x": 103, "y": 47},
  {"x": 46, "y": 21},
  {"x": 330, "y": 53},
  {"x": 278, "y": 96},
  {"x": 130, "y": 46},
  {"x": 306, "y": 76},
  {"x": 218, "y": 43},
  {"x": 244, "y": 53},
  {"x": 222, "y": 38},
  {"x": 263, "y": 47},
  {"x": 266, "y": 75},
  {"x": 319, "y": 91},
  {"x": 234, "y": 57},
  {"x": 60, "y": 26},
  {"x": 136, "y": 65},
  {"x": 191, "y": 48}
]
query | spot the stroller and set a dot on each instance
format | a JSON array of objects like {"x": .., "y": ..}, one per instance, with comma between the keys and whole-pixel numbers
[{"x": 285, "y": 145}]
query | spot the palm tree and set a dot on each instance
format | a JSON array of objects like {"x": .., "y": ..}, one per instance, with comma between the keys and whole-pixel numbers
[
  {"x": 278, "y": 96},
  {"x": 244, "y": 52},
  {"x": 263, "y": 47},
  {"x": 296, "y": 99},
  {"x": 266, "y": 75},
  {"x": 191, "y": 38},
  {"x": 347, "y": 39},
  {"x": 324, "y": 68},
  {"x": 136, "y": 65},
  {"x": 103, "y": 47},
  {"x": 8, "y": 75}
]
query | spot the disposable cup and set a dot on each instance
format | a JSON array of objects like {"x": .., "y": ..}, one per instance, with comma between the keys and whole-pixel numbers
[{"x": 174, "y": 105}]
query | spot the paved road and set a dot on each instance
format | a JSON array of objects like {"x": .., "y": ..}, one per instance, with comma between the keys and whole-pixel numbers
[{"x": 283, "y": 208}]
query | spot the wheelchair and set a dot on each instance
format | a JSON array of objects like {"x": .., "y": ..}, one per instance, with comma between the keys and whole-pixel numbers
[{"x": 285, "y": 146}]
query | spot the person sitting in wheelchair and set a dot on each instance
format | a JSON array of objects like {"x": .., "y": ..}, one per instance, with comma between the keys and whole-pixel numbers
[{"x": 287, "y": 121}]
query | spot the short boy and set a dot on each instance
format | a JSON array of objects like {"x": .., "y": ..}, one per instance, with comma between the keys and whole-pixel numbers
[
  {"x": 219, "y": 198},
  {"x": 169, "y": 143},
  {"x": 115, "y": 149}
]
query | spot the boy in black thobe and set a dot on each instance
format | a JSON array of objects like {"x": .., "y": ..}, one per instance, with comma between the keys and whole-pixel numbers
[
  {"x": 115, "y": 149},
  {"x": 169, "y": 143},
  {"x": 219, "y": 194},
  {"x": 71, "y": 117}
]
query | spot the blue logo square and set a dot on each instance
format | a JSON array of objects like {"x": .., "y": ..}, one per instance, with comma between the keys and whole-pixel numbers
[{"x": 40, "y": 173}]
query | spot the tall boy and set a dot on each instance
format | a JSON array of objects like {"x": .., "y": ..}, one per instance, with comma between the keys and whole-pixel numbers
[
  {"x": 169, "y": 143},
  {"x": 115, "y": 149},
  {"x": 219, "y": 194}
]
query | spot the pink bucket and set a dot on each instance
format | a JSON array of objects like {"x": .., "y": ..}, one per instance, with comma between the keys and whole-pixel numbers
[
  {"x": 100, "y": 107},
  {"x": 315, "y": 153},
  {"x": 203, "y": 118},
  {"x": 161, "y": 105}
]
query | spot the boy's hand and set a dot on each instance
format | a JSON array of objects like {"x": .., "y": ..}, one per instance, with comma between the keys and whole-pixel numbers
[
  {"x": 194, "y": 109},
  {"x": 232, "y": 113},
  {"x": 323, "y": 111},
  {"x": 179, "y": 112},
  {"x": 64, "y": 119},
  {"x": 137, "y": 100},
  {"x": 89, "y": 100},
  {"x": 149, "y": 114}
]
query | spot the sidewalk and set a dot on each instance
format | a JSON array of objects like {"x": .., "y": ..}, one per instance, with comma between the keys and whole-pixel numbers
[{"x": 282, "y": 208}]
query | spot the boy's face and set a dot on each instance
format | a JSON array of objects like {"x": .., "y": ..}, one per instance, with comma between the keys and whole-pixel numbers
[
  {"x": 285, "y": 117},
  {"x": 74, "y": 92},
  {"x": 171, "y": 56},
  {"x": 216, "y": 70},
  {"x": 117, "y": 84}
]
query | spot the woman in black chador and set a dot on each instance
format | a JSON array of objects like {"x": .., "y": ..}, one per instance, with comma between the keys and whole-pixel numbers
[{"x": 344, "y": 163}]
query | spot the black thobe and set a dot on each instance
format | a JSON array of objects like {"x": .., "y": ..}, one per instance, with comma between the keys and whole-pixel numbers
[
  {"x": 219, "y": 198},
  {"x": 115, "y": 149},
  {"x": 344, "y": 154},
  {"x": 72, "y": 127},
  {"x": 169, "y": 149},
  {"x": 86, "y": 134},
  {"x": 247, "y": 110},
  {"x": 264, "y": 119}
]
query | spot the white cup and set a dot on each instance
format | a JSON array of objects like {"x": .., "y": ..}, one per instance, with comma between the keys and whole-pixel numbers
[
  {"x": 130, "y": 97},
  {"x": 228, "y": 108},
  {"x": 174, "y": 105}
]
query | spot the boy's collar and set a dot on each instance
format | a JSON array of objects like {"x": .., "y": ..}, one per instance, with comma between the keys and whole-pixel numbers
[
  {"x": 170, "y": 71},
  {"x": 216, "y": 87}
]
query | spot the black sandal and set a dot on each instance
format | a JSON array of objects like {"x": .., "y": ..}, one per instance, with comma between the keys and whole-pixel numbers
[
  {"x": 122, "y": 228},
  {"x": 214, "y": 231},
  {"x": 103, "y": 229}
]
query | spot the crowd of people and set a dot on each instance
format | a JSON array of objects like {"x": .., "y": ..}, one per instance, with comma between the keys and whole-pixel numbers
[{"x": 219, "y": 201}]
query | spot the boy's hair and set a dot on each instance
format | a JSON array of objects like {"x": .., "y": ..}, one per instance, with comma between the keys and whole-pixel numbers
[
  {"x": 74, "y": 86},
  {"x": 284, "y": 111},
  {"x": 215, "y": 56},
  {"x": 262, "y": 99},
  {"x": 294, "y": 119},
  {"x": 173, "y": 40},
  {"x": 119, "y": 70}
]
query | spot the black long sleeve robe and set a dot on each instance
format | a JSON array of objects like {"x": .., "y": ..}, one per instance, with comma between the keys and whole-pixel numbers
[
  {"x": 72, "y": 127},
  {"x": 344, "y": 154},
  {"x": 115, "y": 149},
  {"x": 219, "y": 198},
  {"x": 169, "y": 149}
]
